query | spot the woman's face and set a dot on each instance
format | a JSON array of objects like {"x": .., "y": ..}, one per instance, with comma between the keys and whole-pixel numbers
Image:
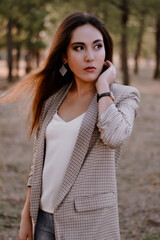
[{"x": 86, "y": 53}]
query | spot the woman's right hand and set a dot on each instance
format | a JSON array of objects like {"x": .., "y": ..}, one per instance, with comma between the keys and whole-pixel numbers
[{"x": 25, "y": 231}]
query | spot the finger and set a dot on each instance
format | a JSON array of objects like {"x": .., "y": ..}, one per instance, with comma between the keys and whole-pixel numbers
[
  {"x": 113, "y": 69},
  {"x": 110, "y": 63},
  {"x": 30, "y": 237},
  {"x": 107, "y": 63}
]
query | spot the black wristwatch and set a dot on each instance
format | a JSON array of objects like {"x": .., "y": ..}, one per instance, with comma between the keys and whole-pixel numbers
[{"x": 109, "y": 94}]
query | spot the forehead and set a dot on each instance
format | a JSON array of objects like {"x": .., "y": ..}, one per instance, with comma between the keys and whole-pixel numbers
[{"x": 86, "y": 33}]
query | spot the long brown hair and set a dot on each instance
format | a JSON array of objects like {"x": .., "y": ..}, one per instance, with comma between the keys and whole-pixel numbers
[{"x": 47, "y": 80}]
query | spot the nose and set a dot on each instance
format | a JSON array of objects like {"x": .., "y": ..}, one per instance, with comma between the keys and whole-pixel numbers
[{"x": 89, "y": 57}]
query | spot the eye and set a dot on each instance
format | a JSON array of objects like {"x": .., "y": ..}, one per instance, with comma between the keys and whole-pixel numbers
[
  {"x": 78, "y": 48},
  {"x": 98, "y": 46}
]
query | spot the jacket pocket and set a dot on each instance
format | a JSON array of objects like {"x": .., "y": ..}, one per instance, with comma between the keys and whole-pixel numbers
[{"x": 88, "y": 203}]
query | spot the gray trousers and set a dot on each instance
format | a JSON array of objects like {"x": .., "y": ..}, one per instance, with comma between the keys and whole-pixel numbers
[{"x": 44, "y": 229}]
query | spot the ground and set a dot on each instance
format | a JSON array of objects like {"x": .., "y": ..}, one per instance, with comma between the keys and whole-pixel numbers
[{"x": 138, "y": 174}]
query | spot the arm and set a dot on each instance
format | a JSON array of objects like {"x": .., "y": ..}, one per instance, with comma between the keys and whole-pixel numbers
[
  {"x": 115, "y": 122},
  {"x": 25, "y": 231},
  {"x": 33, "y": 160},
  {"x": 103, "y": 85}
]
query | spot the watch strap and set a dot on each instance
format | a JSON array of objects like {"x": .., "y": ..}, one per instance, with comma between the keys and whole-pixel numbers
[{"x": 109, "y": 94}]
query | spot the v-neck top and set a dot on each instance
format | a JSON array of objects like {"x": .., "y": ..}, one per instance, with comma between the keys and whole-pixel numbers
[{"x": 61, "y": 137}]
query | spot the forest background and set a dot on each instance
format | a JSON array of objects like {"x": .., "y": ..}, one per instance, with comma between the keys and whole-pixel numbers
[{"x": 27, "y": 28}]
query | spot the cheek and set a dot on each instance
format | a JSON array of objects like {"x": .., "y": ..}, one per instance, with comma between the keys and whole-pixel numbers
[
  {"x": 102, "y": 56},
  {"x": 101, "y": 61},
  {"x": 73, "y": 62}
]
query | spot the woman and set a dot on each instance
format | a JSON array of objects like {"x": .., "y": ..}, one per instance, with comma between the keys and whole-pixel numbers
[{"x": 81, "y": 118}]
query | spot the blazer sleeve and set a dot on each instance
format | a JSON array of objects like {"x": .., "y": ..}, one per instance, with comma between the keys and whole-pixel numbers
[
  {"x": 116, "y": 122},
  {"x": 44, "y": 110},
  {"x": 29, "y": 184}
]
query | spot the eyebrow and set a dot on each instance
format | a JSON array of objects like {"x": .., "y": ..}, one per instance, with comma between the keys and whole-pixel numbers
[{"x": 82, "y": 43}]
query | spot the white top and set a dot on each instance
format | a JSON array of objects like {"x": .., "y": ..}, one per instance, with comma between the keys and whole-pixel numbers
[{"x": 61, "y": 137}]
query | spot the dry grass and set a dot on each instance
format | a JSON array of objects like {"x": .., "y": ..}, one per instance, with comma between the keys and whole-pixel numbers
[
  {"x": 138, "y": 173},
  {"x": 139, "y": 169}
]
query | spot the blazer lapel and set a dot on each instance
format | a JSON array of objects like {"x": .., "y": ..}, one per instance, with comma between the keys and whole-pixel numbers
[
  {"x": 50, "y": 108},
  {"x": 80, "y": 150},
  {"x": 53, "y": 104}
]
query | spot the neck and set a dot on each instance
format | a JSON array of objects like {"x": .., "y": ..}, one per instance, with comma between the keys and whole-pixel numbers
[{"x": 81, "y": 88}]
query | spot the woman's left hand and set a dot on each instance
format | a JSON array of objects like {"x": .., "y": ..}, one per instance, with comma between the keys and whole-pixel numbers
[{"x": 106, "y": 78}]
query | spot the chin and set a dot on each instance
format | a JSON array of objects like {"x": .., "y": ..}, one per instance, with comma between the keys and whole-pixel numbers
[
  {"x": 91, "y": 78},
  {"x": 87, "y": 78}
]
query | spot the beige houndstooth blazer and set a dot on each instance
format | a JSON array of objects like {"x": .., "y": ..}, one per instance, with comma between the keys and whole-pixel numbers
[{"x": 86, "y": 207}]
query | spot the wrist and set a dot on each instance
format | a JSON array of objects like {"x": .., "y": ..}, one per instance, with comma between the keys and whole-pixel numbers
[
  {"x": 102, "y": 86},
  {"x": 26, "y": 211},
  {"x": 25, "y": 215},
  {"x": 102, "y": 89}
]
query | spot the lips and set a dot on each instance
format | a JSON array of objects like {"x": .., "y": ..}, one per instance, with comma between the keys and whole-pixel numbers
[{"x": 90, "y": 69}]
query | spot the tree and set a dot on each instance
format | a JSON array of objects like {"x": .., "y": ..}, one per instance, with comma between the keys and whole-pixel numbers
[
  {"x": 157, "y": 48},
  {"x": 25, "y": 22},
  {"x": 139, "y": 43},
  {"x": 5, "y": 10},
  {"x": 9, "y": 47},
  {"x": 154, "y": 11}
]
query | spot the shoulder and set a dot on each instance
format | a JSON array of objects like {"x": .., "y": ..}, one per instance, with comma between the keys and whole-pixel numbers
[
  {"x": 58, "y": 93},
  {"x": 54, "y": 97},
  {"x": 122, "y": 91}
]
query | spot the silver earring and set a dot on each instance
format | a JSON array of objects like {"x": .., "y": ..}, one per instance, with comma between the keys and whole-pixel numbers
[{"x": 63, "y": 70}]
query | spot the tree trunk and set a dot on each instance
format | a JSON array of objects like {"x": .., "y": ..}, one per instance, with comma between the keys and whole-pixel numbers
[
  {"x": 139, "y": 44},
  {"x": 18, "y": 48},
  {"x": 124, "y": 41},
  {"x": 9, "y": 49},
  {"x": 37, "y": 58},
  {"x": 28, "y": 61},
  {"x": 157, "y": 50},
  {"x": 17, "y": 60}
]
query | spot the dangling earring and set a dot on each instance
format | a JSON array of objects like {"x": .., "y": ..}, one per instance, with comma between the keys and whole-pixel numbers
[{"x": 63, "y": 70}]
